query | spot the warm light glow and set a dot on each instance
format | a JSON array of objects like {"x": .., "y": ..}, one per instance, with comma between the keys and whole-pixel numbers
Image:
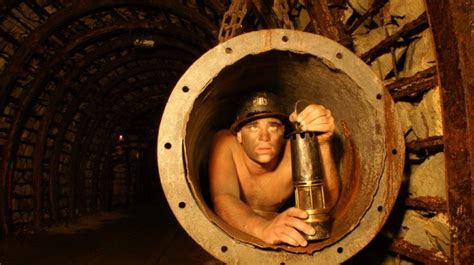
[{"x": 144, "y": 43}]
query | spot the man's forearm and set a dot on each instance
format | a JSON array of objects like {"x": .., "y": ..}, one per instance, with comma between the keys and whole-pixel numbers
[{"x": 239, "y": 215}]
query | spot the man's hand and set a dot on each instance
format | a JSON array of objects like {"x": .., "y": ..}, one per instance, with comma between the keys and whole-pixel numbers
[
  {"x": 316, "y": 118},
  {"x": 285, "y": 227}
]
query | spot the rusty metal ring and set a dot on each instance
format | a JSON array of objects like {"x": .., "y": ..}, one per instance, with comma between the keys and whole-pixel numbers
[{"x": 183, "y": 131}]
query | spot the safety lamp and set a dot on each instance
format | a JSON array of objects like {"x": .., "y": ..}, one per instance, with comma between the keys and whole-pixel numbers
[{"x": 308, "y": 176}]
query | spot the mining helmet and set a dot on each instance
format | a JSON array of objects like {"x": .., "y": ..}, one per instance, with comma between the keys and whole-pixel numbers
[{"x": 258, "y": 105}]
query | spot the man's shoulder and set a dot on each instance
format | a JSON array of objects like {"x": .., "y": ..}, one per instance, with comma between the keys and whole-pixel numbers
[{"x": 224, "y": 143}]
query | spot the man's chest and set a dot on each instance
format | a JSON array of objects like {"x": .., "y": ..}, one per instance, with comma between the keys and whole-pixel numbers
[{"x": 266, "y": 192}]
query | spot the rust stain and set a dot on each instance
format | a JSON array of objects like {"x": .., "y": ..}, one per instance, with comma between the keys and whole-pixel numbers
[{"x": 268, "y": 40}]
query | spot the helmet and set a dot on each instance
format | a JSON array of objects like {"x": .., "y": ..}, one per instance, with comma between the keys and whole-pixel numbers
[{"x": 258, "y": 105}]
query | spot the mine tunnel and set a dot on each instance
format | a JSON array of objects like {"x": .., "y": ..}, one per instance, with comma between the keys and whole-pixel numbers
[{"x": 94, "y": 94}]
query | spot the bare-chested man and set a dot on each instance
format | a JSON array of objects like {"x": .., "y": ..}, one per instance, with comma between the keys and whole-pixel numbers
[{"x": 250, "y": 170}]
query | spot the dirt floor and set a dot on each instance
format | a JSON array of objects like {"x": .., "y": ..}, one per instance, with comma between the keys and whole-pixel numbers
[{"x": 146, "y": 235}]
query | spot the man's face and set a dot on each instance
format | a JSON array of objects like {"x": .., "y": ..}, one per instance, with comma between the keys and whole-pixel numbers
[{"x": 262, "y": 139}]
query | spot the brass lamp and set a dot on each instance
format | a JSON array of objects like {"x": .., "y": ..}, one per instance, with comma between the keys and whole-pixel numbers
[{"x": 308, "y": 176}]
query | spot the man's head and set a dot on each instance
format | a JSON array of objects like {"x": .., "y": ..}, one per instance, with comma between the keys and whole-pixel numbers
[{"x": 260, "y": 127}]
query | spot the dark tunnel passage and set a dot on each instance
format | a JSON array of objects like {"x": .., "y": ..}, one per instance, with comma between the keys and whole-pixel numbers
[
  {"x": 82, "y": 99},
  {"x": 83, "y": 87}
]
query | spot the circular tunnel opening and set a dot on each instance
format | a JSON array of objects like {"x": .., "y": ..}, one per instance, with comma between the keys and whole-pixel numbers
[
  {"x": 293, "y": 68},
  {"x": 293, "y": 76}
]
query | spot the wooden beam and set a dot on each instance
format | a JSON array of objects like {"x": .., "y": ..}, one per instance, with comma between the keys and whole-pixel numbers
[
  {"x": 265, "y": 13},
  {"x": 321, "y": 18},
  {"x": 417, "y": 253},
  {"x": 414, "y": 85},
  {"x": 429, "y": 203},
  {"x": 337, "y": 9},
  {"x": 434, "y": 143},
  {"x": 374, "y": 9},
  {"x": 409, "y": 30},
  {"x": 451, "y": 23}
]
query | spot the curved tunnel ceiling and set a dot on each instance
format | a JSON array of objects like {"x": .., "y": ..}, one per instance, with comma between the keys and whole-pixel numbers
[{"x": 76, "y": 75}]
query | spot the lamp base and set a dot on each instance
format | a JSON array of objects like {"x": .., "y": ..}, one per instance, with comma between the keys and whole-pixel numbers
[{"x": 321, "y": 225}]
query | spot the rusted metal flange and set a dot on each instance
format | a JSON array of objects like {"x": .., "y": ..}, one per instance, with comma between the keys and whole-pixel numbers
[{"x": 368, "y": 145}]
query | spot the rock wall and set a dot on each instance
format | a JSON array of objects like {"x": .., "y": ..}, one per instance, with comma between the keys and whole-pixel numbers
[{"x": 420, "y": 118}]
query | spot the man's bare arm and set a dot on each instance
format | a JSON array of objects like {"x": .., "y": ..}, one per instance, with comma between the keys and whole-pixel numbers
[{"x": 225, "y": 191}]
